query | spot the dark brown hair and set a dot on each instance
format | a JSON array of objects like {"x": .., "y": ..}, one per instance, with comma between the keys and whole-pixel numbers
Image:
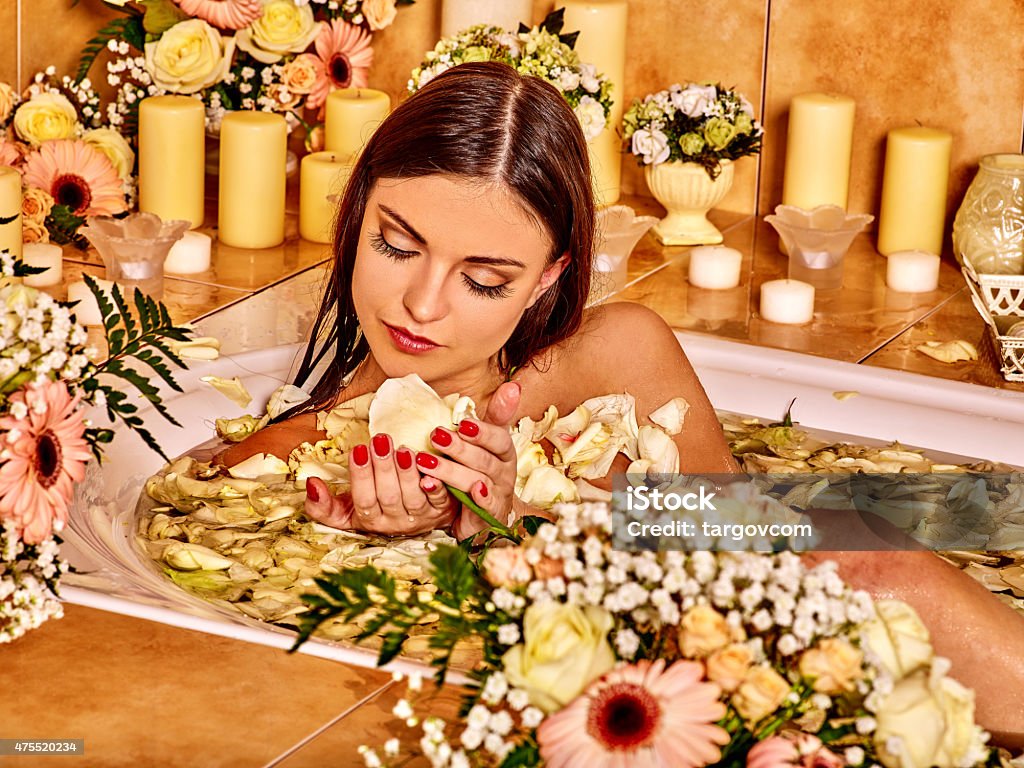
[{"x": 476, "y": 121}]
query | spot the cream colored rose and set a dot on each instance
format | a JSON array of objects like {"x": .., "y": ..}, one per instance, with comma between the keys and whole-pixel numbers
[
  {"x": 762, "y": 692},
  {"x": 899, "y": 638},
  {"x": 379, "y": 13},
  {"x": 36, "y": 204},
  {"x": 833, "y": 664},
  {"x": 728, "y": 666},
  {"x": 547, "y": 486},
  {"x": 6, "y": 101},
  {"x": 408, "y": 410},
  {"x": 189, "y": 57},
  {"x": 565, "y": 648},
  {"x": 506, "y": 567},
  {"x": 44, "y": 117},
  {"x": 113, "y": 145},
  {"x": 702, "y": 631},
  {"x": 925, "y": 722},
  {"x": 34, "y": 232},
  {"x": 284, "y": 28},
  {"x": 299, "y": 74}
]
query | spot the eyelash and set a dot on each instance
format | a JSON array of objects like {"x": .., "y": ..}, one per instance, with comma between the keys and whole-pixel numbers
[{"x": 383, "y": 247}]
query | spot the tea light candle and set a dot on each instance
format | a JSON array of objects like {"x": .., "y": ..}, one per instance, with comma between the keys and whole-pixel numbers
[
  {"x": 818, "y": 148},
  {"x": 789, "y": 302},
  {"x": 50, "y": 257},
  {"x": 912, "y": 271},
  {"x": 253, "y": 150},
  {"x": 352, "y": 115},
  {"x": 323, "y": 174},
  {"x": 10, "y": 206},
  {"x": 87, "y": 311},
  {"x": 457, "y": 15},
  {"x": 172, "y": 152},
  {"x": 189, "y": 255},
  {"x": 715, "y": 266},
  {"x": 914, "y": 190}
]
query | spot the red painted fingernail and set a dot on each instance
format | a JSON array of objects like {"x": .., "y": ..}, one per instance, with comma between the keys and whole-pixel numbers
[
  {"x": 381, "y": 445},
  {"x": 441, "y": 437},
  {"x": 429, "y": 484},
  {"x": 404, "y": 458},
  {"x": 360, "y": 455},
  {"x": 483, "y": 490},
  {"x": 311, "y": 492},
  {"x": 426, "y": 460},
  {"x": 469, "y": 428}
]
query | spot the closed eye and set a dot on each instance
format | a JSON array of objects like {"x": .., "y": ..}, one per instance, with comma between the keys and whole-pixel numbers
[{"x": 383, "y": 247}]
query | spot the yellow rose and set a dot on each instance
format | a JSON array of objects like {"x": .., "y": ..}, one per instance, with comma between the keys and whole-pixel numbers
[
  {"x": 283, "y": 28},
  {"x": 925, "y": 722},
  {"x": 564, "y": 649},
  {"x": 702, "y": 631},
  {"x": 113, "y": 145},
  {"x": 379, "y": 13},
  {"x": 44, "y": 117},
  {"x": 898, "y": 637},
  {"x": 728, "y": 666},
  {"x": 833, "y": 664},
  {"x": 6, "y": 101},
  {"x": 33, "y": 231},
  {"x": 762, "y": 692},
  {"x": 36, "y": 204},
  {"x": 299, "y": 74},
  {"x": 189, "y": 57}
]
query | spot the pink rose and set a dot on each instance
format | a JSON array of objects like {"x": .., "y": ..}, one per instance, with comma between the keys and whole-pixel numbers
[
  {"x": 506, "y": 567},
  {"x": 792, "y": 748}
]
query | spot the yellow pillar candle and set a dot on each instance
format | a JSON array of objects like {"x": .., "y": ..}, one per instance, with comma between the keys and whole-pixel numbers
[
  {"x": 458, "y": 15},
  {"x": 914, "y": 189},
  {"x": 172, "y": 151},
  {"x": 352, "y": 115},
  {"x": 253, "y": 150},
  {"x": 602, "y": 42},
  {"x": 322, "y": 174},
  {"x": 47, "y": 256},
  {"x": 818, "y": 149},
  {"x": 10, "y": 211}
]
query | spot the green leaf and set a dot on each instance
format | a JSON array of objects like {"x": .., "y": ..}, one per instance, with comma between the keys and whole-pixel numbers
[
  {"x": 499, "y": 528},
  {"x": 160, "y": 16},
  {"x": 522, "y": 755},
  {"x": 63, "y": 225},
  {"x": 8, "y": 220},
  {"x": 128, "y": 29},
  {"x": 532, "y": 523}
]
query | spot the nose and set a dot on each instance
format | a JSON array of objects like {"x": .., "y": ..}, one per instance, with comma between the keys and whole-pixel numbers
[{"x": 425, "y": 298}]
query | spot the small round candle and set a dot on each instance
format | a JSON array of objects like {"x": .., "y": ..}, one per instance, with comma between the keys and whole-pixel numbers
[
  {"x": 789, "y": 302},
  {"x": 352, "y": 115},
  {"x": 87, "y": 311},
  {"x": 189, "y": 255},
  {"x": 322, "y": 174},
  {"x": 912, "y": 271},
  {"x": 715, "y": 267},
  {"x": 47, "y": 256}
]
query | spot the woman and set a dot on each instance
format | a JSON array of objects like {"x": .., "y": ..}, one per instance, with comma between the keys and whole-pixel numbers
[{"x": 464, "y": 246}]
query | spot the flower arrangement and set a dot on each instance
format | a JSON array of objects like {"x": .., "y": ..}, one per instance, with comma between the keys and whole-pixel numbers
[
  {"x": 541, "y": 51},
  {"x": 695, "y": 123},
  {"x": 47, "y": 378}
]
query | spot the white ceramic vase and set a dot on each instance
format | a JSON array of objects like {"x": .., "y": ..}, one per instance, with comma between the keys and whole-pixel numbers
[{"x": 688, "y": 193}]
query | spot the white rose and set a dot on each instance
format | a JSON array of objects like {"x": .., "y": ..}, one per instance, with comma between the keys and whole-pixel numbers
[
  {"x": 113, "y": 145},
  {"x": 379, "y": 13},
  {"x": 588, "y": 78},
  {"x": 408, "y": 410},
  {"x": 189, "y": 57},
  {"x": 651, "y": 145},
  {"x": 898, "y": 638},
  {"x": 694, "y": 100},
  {"x": 568, "y": 80},
  {"x": 591, "y": 116}
]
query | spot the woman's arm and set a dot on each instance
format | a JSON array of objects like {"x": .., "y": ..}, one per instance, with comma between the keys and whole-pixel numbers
[{"x": 278, "y": 439}]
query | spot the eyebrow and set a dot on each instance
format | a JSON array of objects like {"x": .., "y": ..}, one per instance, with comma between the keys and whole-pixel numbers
[{"x": 495, "y": 261}]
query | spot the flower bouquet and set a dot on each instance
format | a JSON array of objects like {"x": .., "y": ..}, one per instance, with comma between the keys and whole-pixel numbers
[
  {"x": 47, "y": 378},
  {"x": 541, "y": 51}
]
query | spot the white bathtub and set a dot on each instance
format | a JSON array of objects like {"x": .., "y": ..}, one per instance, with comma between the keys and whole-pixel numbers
[{"x": 947, "y": 417}]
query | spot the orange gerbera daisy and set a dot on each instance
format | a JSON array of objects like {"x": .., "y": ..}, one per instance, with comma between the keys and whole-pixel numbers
[
  {"x": 343, "y": 58},
  {"x": 76, "y": 175},
  {"x": 225, "y": 14},
  {"x": 642, "y": 716},
  {"x": 42, "y": 455}
]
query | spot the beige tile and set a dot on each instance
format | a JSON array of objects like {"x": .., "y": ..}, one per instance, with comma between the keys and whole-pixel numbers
[
  {"x": 142, "y": 693},
  {"x": 947, "y": 64},
  {"x": 54, "y": 33},
  {"x": 9, "y": 44},
  {"x": 399, "y": 49}
]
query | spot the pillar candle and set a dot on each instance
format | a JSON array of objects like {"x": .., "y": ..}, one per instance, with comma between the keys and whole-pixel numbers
[
  {"x": 912, "y": 271},
  {"x": 715, "y": 266},
  {"x": 914, "y": 190},
  {"x": 352, "y": 115},
  {"x": 602, "y": 42},
  {"x": 789, "y": 302},
  {"x": 818, "y": 149},
  {"x": 172, "y": 152},
  {"x": 47, "y": 256},
  {"x": 87, "y": 311},
  {"x": 323, "y": 174},
  {"x": 10, "y": 210},
  {"x": 189, "y": 255},
  {"x": 457, "y": 15},
  {"x": 253, "y": 149}
]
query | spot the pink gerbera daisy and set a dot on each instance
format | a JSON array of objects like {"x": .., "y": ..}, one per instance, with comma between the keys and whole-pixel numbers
[
  {"x": 9, "y": 154},
  {"x": 42, "y": 455},
  {"x": 76, "y": 175},
  {"x": 225, "y": 14},
  {"x": 792, "y": 749},
  {"x": 343, "y": 58},
  {"x": 641, "y": 716}
]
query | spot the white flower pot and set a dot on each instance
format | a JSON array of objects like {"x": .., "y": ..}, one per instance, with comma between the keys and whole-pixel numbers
[{"x": 688, "y": 193}]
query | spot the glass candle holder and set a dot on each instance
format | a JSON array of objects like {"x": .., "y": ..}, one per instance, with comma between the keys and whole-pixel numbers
[
  {"x": 134, "y": 248},
  {"x": 619, "y": 229},
  {"x": 817, "y": 240}
]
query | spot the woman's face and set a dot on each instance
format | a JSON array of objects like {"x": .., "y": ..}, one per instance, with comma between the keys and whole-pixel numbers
[{"x": 444, "y": 270}]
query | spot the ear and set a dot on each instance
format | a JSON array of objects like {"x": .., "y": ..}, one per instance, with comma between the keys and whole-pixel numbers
[{"x": 548, "y": 278}]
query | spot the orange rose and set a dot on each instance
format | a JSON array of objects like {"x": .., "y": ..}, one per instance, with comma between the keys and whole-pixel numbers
[
  {"x": 36, "y": 204},
  {"x": 6, "y": 101},
  {"x": 299, "y": 75},
  {"x": 33, "y": 232}
]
